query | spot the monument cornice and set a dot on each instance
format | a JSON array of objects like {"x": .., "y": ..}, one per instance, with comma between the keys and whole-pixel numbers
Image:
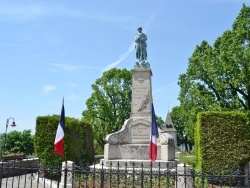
[{"x": 143, "y": 70}]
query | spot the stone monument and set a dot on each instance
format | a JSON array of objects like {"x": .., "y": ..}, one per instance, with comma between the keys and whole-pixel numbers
[{"x": 130, "y": 145}]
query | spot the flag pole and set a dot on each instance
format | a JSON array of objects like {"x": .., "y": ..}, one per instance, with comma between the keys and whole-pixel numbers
[{"x": 61, "y": 156}]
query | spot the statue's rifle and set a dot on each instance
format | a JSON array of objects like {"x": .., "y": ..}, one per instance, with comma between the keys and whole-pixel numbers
[{"x": 141, "y": 50}]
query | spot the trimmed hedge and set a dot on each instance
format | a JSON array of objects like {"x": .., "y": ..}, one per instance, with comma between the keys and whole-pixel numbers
[
  {"x": 221, "y": 138},
  {"x": 78, "y": 141}
]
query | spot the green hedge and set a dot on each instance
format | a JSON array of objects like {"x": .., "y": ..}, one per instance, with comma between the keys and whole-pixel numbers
[
  {"x": 221, "y": 138},
  {"x": 78, "y": 141}
]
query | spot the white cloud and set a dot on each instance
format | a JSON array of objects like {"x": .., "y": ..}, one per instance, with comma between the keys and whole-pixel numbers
[
  {"x": 150, "y": 21},
  {"x": 72, "y": 98},
  {"x": 70, "y": 84},
  {"x": 48, "y": 89},
  {"x": 166, "y": 88},
  {"x": 123, "y": 56},
  {"x": 33, "y": 11},
  {"x": 20, "y": 12},
  {"x": 67, "y": 67}
]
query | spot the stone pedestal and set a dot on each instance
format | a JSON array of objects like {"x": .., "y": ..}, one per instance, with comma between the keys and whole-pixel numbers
[
  {"x": 131, "y": 143},
  {"x": 67, "y": 179},
  {"x": 184, "y": 178}
]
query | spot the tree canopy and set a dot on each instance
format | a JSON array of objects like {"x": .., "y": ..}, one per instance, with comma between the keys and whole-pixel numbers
[
  {"x": 218, "y": 76},
  {"x": 110, "y": 103},
  {"x": 18, "y": 142}
]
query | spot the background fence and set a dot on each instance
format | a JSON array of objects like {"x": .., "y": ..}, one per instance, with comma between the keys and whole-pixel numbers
[{"x": 32, "y": 174}]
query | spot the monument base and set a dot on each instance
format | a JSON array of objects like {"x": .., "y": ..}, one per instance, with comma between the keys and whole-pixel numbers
[
  {"x": 125, "y": 151},
  {"x": 138, "y": 151},
  {"x": 131, "y": 143}
]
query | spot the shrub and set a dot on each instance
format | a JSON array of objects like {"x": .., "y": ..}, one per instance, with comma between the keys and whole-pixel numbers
[
  {"x": 78, "y": 141},
  {"x": 222, "y": 138}
]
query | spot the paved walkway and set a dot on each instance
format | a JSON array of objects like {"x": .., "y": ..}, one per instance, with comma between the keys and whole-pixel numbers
[{"x": 27, "y": 181}]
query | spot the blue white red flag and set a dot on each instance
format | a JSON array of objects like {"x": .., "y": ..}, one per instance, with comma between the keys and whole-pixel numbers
[
  {"x": 152, "y": 154},
  {"x": 59, "y": 142}
]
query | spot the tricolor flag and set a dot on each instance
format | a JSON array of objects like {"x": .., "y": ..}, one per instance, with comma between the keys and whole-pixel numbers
[
  {"x": 152, "y": 154},
  {"x": 59, "y": 143}
]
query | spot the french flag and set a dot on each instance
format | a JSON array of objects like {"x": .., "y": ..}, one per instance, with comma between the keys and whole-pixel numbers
[
  {"x": 152, "y": 154},
  {"x": 59, "y": 143}
]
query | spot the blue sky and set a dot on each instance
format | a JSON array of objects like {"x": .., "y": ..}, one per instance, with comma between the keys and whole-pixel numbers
[{"x": 50, "y": 49}]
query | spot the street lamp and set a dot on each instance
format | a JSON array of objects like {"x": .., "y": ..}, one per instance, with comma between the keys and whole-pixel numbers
[{"x": 7, "y": 124}]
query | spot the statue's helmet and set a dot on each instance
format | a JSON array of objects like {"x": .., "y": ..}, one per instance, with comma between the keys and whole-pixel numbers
[{"x": 139, "y": 28}]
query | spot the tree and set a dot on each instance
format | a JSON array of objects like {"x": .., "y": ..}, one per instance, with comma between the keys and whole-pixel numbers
[
  {"x": 159, "y": 121},
  {"x": 110, "y": 103},
  {"x": 27, "y": 142},
  {"x": 182, "y": 139},
  {"x": 18, "y": 142},
  {"x": 218, "y": 76}
]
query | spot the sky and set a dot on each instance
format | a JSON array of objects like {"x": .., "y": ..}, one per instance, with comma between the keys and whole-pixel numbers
[{"x": 55, "y": 49}]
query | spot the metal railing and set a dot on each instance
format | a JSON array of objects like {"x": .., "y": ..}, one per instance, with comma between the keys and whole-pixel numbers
[{"x": 68, "y": 174}]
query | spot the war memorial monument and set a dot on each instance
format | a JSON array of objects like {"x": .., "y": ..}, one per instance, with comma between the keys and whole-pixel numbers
[{"x": 130, "y": 145}]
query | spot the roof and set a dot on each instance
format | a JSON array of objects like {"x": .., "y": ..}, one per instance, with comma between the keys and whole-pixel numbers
[{"x": 168, "y": 125}]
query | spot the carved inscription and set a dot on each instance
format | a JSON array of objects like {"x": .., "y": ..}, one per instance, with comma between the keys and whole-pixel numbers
[
  {"x": 141, "y": 114},
  {"x": 139, "y": 92},
  {"x": 140, "y": 98},
  {"x": 140, "y": 133}
]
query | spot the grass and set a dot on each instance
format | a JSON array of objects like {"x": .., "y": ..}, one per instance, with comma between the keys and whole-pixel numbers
[{"x": 188, "y": 159}]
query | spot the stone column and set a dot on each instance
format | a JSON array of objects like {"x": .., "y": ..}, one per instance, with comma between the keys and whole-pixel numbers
[
  {"x": 141, "y": 93},
  {"x": 184, "y": 178},
  {"x": 67, "y": 177}
]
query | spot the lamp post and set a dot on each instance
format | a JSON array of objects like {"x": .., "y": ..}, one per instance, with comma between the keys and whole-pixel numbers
[{"x": 7, "y": 124}]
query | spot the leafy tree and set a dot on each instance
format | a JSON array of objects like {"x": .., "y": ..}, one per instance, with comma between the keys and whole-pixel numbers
[
  {"x": 18, "y": 142},
  {"x": 27, "y": 142},
  {"x": 182, "y": 139},
  {"x": 218, "y": 76},
  {"x": 110, "y": 103},
  {"x": 159, "y": 121}
]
